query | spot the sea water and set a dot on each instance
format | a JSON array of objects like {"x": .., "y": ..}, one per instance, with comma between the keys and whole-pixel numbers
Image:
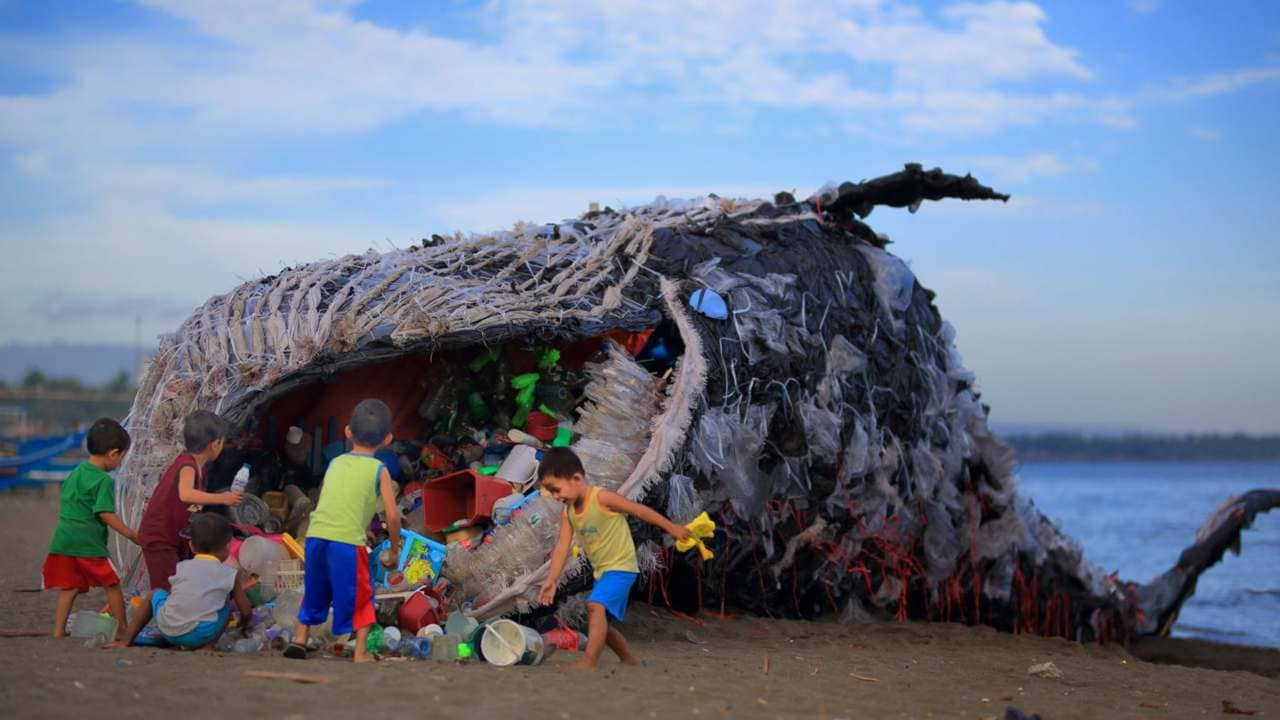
[{"x": 1136, "y": 517}]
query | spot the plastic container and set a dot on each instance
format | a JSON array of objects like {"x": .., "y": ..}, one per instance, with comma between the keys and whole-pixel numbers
[
  {"x": 248, "y": 645},
  {"x": 521, "y": 466},
  {"x": 391, "y": 639},
  {"x": 503, "y": 509},
  {"x": 419, "y": 562},
  {"x": 541, "y": 426},
  {"x": 565, "y": 639},
  {"x": 86, "y": 624},
  {"x": 508, "y": 643},
  {"x": 259, "y": 556},
  {"x": 418, "y": 648},
  {"x": 460, "y": 625},
  {"x": 241, "y": 480},
  {"x": 420, "y": 610},
  {"x": 374, "y": 640},
  {"x": 463, "y": 495},
  {"x": 445, "y": 647},
  {"x": 150, "y": 636}
]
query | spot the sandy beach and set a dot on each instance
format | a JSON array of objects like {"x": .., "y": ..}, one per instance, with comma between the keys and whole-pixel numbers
[{"x": 737, "y": 667}]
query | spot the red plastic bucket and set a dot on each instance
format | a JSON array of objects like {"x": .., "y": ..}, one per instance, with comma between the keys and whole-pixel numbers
[{"x": 541, "y": 426}]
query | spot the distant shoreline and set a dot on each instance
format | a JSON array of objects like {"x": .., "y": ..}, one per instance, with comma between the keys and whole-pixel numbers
[{"x": 1039, "y": 447}]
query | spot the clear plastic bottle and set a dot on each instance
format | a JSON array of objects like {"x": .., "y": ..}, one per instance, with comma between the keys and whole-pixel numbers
[
  {"x": 445, "y": 647},
  {"x": 97, "y": 641},
  {"x": 226, "y": 643},
  {"x": 391, "y": 639},
  {"x": 248, "y": 645},
  {"x": 241, "y": 480}
]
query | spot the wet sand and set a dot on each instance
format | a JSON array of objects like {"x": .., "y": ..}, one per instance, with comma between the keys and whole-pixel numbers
[{"x": 738, "y": 667}]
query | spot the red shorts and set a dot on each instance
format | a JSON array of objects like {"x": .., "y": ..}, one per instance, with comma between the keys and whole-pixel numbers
[{"x": 64, "y": 572}]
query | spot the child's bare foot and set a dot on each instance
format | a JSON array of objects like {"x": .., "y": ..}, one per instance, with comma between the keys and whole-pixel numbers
[
  {"x": 115, "y": 645},
  {"x": 582, "y": 666},
  {"x": 628, "y": 659},
  {"x": 60, "y": 634},
  {"x": 365, "y": 658}
]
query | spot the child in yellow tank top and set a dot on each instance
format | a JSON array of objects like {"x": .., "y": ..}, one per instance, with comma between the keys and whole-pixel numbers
[{"x": 599, "y": 519}]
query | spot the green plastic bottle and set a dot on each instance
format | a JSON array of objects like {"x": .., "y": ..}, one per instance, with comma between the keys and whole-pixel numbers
[{"x": 373, "y": 641}]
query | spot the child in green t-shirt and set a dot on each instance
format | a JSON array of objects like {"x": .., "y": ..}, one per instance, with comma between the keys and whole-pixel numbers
[{"x": 78, "y": 559}]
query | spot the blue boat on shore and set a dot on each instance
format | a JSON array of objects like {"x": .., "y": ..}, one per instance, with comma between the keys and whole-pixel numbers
[{"x": 39, "y": 460}]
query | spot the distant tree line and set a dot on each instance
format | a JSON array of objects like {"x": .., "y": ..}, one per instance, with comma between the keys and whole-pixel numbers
[
  {"x": 36, "y": 380},
  {"x": 55, "y": 404},
  {"x": 1137, "y": 446}
]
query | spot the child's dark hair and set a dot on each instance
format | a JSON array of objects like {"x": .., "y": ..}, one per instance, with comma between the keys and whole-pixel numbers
[
  {"x": 209, "y": 532},
  {"x": 200, "y": 429},
  {"x": 560, "y": 462},
  {"x": 106, "y": 435},
  {"x": 370, "y": 422}
]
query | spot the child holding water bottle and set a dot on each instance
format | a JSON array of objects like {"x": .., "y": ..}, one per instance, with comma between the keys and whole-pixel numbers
[{"x": 179, "y": 495}]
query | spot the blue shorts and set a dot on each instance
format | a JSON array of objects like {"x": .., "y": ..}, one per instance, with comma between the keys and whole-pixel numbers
[
  {"x": 613, "y": 590},
  {"x": 199, "y": 636},
  {"x": 337, "y": 574}
]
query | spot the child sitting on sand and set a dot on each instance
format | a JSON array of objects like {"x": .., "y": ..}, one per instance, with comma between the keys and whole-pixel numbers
[
  {"x": 599, "y": 518},
  {"x": 179, "y": 494},
  {"x": 337, "y": 562},
  {"x": 78, "y": 557},
  {"x": 194, "y": 612}
]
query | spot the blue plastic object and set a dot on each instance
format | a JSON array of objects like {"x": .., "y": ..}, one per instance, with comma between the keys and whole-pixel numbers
[
  {"x": 40, "y": 456},
  {"x": 709, "y": 303},
  {"x": 150, "y": 636},
  {"x": 412, "y": 547}
]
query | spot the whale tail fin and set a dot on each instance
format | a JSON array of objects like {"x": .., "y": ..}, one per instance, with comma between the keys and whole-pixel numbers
[{"x": 1162, "y": 598}]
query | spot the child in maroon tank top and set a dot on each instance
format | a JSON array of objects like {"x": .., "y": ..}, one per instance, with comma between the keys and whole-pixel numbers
[{"x": 179, "y": 495}]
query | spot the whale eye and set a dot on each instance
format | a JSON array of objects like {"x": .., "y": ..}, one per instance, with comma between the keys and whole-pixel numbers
[{"x": 709, "y": 303}]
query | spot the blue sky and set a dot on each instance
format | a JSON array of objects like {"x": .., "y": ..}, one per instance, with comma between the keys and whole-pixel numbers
[{"x": 155, "y": 153}]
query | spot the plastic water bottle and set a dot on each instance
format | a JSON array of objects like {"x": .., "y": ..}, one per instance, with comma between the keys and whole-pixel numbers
[
  {"x": 241, "y": 480},
  {"x": 421, "y": 648},
  {"x": 391, "y": 638},
  {"x": 373, "y": 641},
  {"x": 248, "y": 645}
]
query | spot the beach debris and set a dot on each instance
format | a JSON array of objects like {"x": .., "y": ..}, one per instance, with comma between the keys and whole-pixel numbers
[
  {"x": 1013, "y": 713},
  {"x": 1045, "y": 670},
  {"x": 810, "y": 398},
  {"x": 766, "y": 664},
  {"x": 693, "y": 638},
  {"x": 1231, "y": 708},
  {"x": 1152, "y": 706},
  {"x": 863, "y": 678},
  {"x": 289, "y": 676}
]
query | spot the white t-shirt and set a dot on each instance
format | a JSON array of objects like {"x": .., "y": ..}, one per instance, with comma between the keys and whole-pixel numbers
[{"x": 198, "y": 590}]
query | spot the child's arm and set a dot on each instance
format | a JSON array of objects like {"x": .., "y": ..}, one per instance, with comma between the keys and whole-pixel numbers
[
  {"x": 242, "y": 603},
  {"x": 390, "y": 510},
  {"x": 114, "y": 522},
  {"x": 617, "y": 503},
  {"x": 188, "y": 493},
  {"x": 559, "y": 556}
]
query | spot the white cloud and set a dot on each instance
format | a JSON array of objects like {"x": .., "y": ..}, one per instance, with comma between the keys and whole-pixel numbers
[
  {"x": 1204, "y": 133},
  {"x": 1017, "y": 170},
  {"x": 1217, "y": 84},
  {"x": 1143, "y": 7}
]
